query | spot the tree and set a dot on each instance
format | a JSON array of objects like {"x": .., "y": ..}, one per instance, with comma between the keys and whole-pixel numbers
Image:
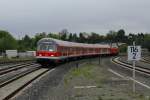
[
  {"x": 146, "y": 41},
  {"x": 26, "y": 43},
  {"x": 63, "y": 34},
  {"x": 39, "y": 36},
  {"x": 93, "y": 38},
  {"x": 64, "y": 37},
  {"x": 81, "y": 38},
  {"x": 111, "y": 37},
  {"x": 64, "y": 31},
  {"x": 7, "y": 41},
  {"x": 52, "y": 35},
  {"x": 70, "y": 37},
  {"x": 121, "y": 35},
  {"x": 139, "y": 38},
  {"x": 74, "y": 38}
]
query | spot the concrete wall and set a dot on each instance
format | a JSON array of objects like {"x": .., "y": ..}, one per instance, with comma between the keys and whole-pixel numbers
[
  {"x": 15, "y": 53},
  {"x": 11, "y": 53}
]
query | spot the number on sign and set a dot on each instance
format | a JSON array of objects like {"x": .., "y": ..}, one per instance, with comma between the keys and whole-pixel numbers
[
  {"x": 134, "y": 52},
  {"x": 134, "y": 55}
]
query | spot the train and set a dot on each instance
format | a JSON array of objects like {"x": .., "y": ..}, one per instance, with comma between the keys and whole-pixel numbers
[{"x": 51, "y": 50}]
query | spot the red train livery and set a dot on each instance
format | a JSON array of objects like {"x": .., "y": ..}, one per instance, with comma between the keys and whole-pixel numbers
[{"x": 52, "y": 50}]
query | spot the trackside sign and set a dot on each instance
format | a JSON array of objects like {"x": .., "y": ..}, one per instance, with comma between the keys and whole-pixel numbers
[{"x": 134, "y": 53}]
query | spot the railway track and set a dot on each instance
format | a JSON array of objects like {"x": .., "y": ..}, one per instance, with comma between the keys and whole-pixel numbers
[
  {"x": 14, "y": 62},
  {"x": 14, "y": 67},
  {"x": 139, "y": 69},
  {"x": 11, "y": 86},
  {"x": 20, "y": 81},
  {"x": 146, "y": 60},
  {"x": 12, "y": 76}
]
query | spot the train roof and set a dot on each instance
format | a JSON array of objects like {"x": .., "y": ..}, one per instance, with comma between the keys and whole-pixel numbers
[{"x": 72, "y": 44}]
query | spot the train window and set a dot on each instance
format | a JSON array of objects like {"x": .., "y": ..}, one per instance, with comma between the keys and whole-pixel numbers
[{"x": 46, "y": 47}]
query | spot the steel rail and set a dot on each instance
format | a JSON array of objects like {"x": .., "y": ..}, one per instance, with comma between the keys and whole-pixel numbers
[
  {"x": 15, "y": 67},
  {"x": 129, "y": 66},
  {"x": 18, "y": 76},
  {"x": 12, "y": 94}
]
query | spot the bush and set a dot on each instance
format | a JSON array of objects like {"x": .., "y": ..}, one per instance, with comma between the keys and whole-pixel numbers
[{"x": 123, "y": 48}]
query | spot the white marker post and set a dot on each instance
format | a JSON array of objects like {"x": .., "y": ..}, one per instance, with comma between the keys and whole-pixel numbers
[
  {"x": 134, "y": 71},
  {"x": 134, "y": 54}
]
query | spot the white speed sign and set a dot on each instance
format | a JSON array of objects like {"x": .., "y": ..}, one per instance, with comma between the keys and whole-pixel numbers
[{"x": 134, "y": 52}]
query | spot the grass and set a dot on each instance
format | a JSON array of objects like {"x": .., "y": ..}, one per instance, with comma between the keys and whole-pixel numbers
[
  {"x": 139, "y": 96},
  {"x": 84, "y": 71},
  {"x": 100, "y": 98},
  {"x": 87, "y": 71},
  {"x": 97, "y": 75}
]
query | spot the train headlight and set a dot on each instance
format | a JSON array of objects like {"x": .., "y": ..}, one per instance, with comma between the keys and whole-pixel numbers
[{"x": 52, "y": 55}]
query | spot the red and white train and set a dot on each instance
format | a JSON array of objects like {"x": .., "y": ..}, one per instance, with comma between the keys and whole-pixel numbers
[{"x": 52, "y": 50}]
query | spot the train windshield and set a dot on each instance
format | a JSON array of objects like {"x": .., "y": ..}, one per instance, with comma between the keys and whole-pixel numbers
[{"x": 46, "y": 47}]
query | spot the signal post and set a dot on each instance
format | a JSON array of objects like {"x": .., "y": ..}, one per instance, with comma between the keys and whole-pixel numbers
[{"x": 134, "y": 54}]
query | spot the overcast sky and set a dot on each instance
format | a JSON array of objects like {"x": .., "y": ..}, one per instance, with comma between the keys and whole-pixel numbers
[{"x": 31, "y": 16}]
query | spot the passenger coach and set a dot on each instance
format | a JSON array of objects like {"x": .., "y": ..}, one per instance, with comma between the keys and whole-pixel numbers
[{"x": 51, "y": 50}]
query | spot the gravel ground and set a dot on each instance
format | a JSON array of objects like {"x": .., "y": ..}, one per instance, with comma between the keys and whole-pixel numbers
[
  {"x": 88, "y": 82},
  {"x": 106, "y": 86},
  {"x": 40, "y": 89}
]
